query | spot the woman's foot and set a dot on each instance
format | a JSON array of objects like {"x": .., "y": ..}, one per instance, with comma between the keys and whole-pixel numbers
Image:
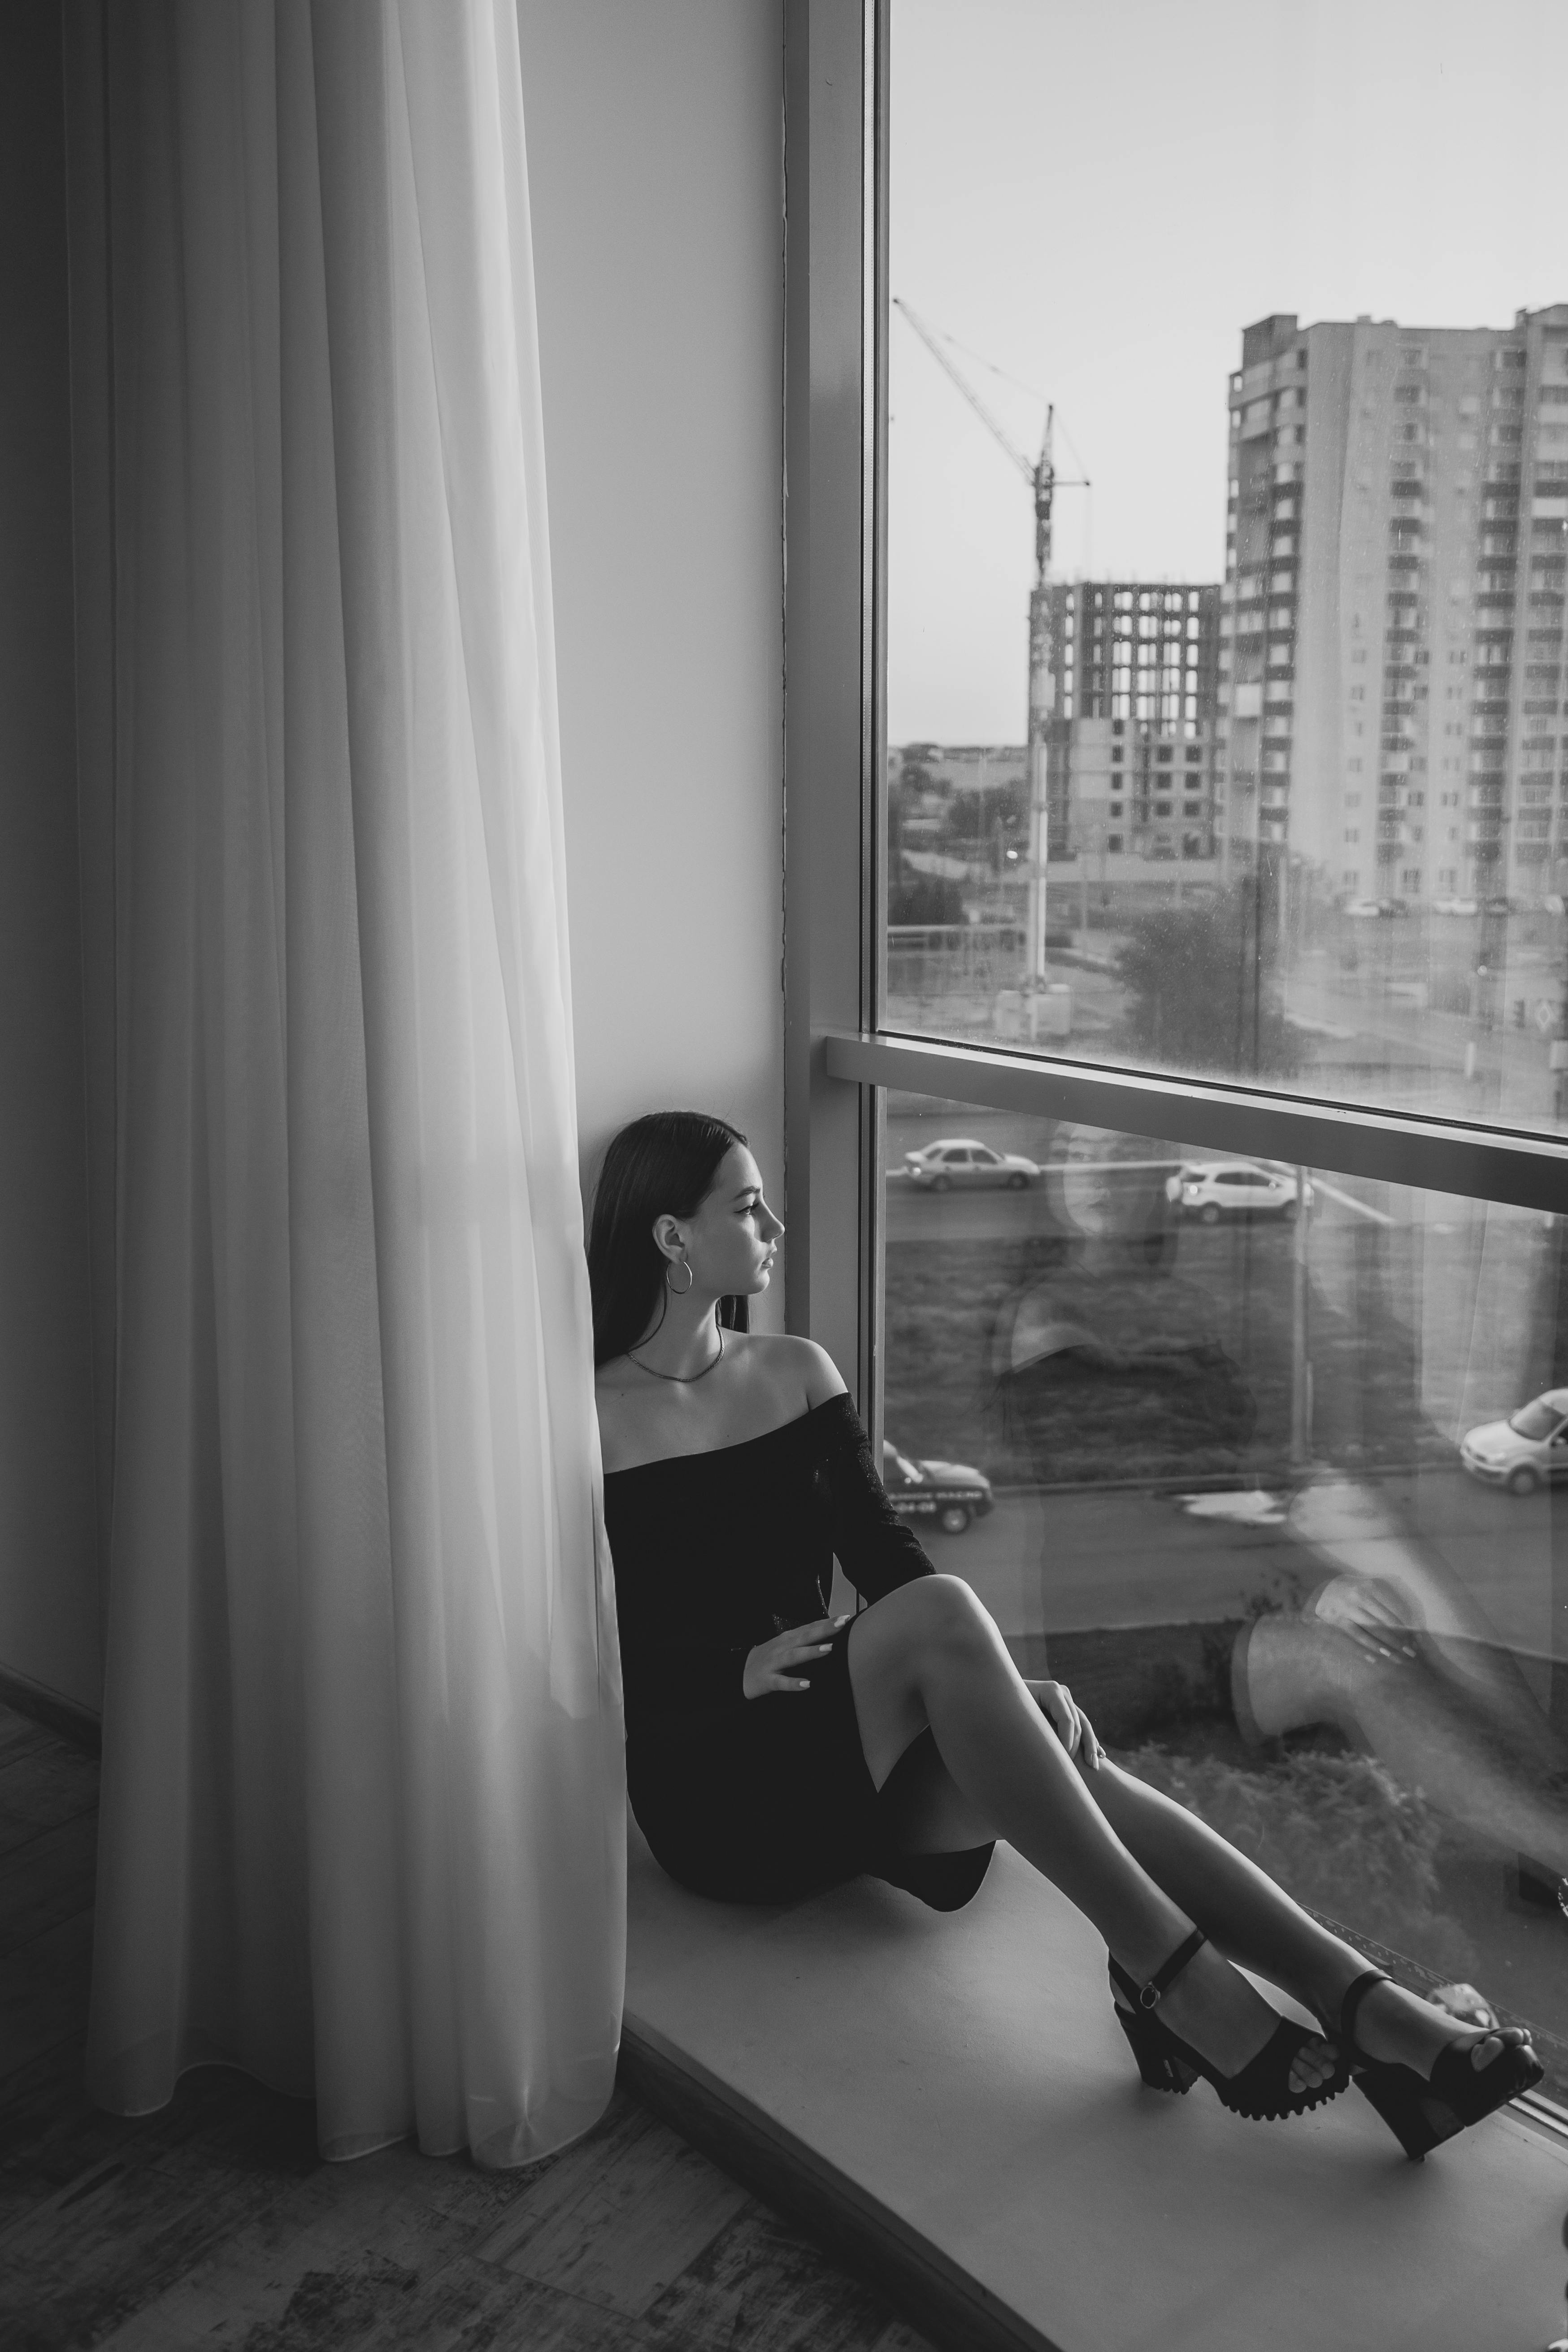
[
  {"x": 1401, "y": 2028},
  {"x": 1428, "y": 2074},
  {"x": 1213, "y": 2007}
]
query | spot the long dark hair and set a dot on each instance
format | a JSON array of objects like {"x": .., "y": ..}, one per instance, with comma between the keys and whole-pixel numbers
[{"x": 661, "y": 1165}]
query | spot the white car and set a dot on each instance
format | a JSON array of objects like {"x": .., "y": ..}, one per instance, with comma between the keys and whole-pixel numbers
[
  {"x": 1236, "y": 1189},
  {"x": 1364, "y": 910},
  {"x": 1529, "y": 1449},
  {"x": 958, "y": 1159},
  {"x": 1455, "y": 907}
]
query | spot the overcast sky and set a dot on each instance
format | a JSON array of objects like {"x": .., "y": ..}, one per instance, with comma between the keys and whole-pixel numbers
[{"x": 1097, "y": 195}]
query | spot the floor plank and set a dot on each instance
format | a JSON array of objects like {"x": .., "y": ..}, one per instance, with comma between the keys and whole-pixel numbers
[
  {"x": 42, "y": 1992},
  {"x": 335, "y": 2248},
  {"x": 755, "y": 2284},
  {"x": 51, "y": 2133},
  {"x": 49, "y": 1879},
  {"x": 624, "y": 2220},
  {"x": 471, "y": 2304},
  {"x": 19, "y": 1733},
  {"x": 42, "y": 1787}
]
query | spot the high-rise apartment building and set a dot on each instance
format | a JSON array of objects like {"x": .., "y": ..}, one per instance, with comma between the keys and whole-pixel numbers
[
  {"x": 1131, "y": 768},
  {"x": 1391, "y": 663}
]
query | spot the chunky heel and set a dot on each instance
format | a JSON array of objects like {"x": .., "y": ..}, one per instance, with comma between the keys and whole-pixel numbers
[
  {"x": 1262, "y": 2090},
  {"x": 1423, "y": 2114},
  {"x": 1398, "y": 2102},
  {"x": 1161, "y": 2068}
]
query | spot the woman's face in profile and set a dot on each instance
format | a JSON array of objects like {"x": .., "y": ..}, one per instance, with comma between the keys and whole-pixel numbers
[{"x": 732, "y": 1240}]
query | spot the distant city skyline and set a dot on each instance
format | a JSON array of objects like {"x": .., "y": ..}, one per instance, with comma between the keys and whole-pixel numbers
[{"x": 1098, "y": 196}]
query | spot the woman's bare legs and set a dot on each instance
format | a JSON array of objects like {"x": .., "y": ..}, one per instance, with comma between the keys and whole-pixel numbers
[
  {"x": 1254, "y": 1923},
  {"x": 1139, "y": 1866},
  {"x": 929, "y": 1654}
]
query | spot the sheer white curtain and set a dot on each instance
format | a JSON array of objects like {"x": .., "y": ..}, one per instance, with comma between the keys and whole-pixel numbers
[{"x": 362, "y": 1829}]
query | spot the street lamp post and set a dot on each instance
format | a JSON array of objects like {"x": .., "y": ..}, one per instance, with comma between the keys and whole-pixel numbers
[{"x": 1301, "y": 1362}]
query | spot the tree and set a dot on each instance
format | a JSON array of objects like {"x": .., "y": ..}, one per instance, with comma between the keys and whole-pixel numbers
[
  {"x": 924, "y": 898},
  {"x": 1202, "y": 993},
  {"x": 915, "y": 775}
]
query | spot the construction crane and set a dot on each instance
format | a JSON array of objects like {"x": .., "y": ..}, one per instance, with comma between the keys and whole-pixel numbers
[{"x": 1041, "y": 478}]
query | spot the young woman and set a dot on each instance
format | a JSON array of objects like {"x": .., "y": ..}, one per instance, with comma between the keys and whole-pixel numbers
[{"x": 772, "y": 1748}]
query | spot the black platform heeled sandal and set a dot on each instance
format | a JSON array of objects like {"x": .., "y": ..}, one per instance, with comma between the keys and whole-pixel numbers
[
  {"x": 1262, "y": 2088},
  {"x": 1421, "y": 2113}
]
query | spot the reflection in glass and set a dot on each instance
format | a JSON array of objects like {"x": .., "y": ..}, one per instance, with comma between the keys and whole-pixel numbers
[{"x": 1269, "y": 1466}]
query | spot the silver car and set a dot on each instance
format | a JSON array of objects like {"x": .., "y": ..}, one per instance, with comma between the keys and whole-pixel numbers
[
  {"x": 958, "y": 1159},
  {"x": 1528, "y": 1450}
]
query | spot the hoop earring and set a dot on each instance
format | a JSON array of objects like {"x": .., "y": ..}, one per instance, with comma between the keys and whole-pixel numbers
[{"x": 670, "y": 1285}]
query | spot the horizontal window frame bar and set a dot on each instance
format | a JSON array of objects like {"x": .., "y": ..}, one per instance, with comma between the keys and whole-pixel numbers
[{"x": 1521, "y": 1171}]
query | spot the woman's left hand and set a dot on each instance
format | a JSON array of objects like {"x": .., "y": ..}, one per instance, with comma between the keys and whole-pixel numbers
[
  {"x": 1375, "y": 1612},
  {"x": 1071, "y": 1726}
]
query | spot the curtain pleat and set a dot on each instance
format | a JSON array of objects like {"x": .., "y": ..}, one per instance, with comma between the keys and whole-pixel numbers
[{"x": 364, "y": 1816}]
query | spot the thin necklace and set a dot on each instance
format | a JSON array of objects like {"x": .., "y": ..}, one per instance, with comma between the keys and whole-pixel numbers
[{"x": 685, "y": 1378}]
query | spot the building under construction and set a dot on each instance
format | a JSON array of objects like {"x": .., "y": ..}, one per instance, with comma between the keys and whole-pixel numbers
[{"x": 1134, "y": 735}]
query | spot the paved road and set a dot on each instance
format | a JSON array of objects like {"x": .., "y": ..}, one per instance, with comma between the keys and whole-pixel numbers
[
  {"x": 1464, "y": 1280},
  {"x": 1511, "y": 1081},
  {"x": 1068, "y": 1562},
  {"x": 1063, "y": 1563},
  {"x": 1467, "y": 1279}
]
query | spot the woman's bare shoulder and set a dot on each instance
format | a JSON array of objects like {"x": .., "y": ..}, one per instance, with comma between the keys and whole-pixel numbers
[
  {"x": 796, "y": 1363},
  {"x": 629, "y": 1430},
  {"x": 616, "y": 1392}
]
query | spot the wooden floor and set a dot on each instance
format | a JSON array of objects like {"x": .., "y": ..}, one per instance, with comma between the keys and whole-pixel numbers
[{"x": 214, "y": 2222}]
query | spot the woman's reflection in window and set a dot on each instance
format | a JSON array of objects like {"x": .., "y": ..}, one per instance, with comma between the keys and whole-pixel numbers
[{"x": 1111, "y": 1363}]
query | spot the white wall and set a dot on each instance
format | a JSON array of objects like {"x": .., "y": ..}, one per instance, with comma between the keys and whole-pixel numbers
[
  {"x": 48, "y": 1569},
  {"x": 654, "y": 162}
]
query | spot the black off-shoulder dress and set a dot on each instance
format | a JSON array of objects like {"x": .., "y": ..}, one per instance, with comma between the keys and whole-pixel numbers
[{"x": 760, "y": 1801}]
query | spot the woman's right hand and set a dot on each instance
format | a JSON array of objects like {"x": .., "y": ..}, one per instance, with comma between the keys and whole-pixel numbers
[{"x": 767, "y": 1666}]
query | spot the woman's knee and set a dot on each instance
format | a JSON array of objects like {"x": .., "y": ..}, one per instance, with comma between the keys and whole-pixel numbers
[{"x": 938, "y": 1618}]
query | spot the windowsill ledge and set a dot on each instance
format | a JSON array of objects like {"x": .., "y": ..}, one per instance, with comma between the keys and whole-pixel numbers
[{"x": 949, "y": 2100}]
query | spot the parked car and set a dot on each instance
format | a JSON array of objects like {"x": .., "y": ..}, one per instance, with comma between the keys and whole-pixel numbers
[
  {"x": 1528, "y": 1450},
  {"x": 949, "y": 1493},
  {"x": 1235, "y": 1190},
  {"x": 956, "y": 1160},
  {"x": 1364, "y": 910},
  {"x": 1456, "y": 905}
]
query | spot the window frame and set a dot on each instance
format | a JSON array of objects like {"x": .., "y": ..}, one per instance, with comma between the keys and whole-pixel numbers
[
  {"x": 834, "y": 534},
  {"x": 840, "y": 1055}
]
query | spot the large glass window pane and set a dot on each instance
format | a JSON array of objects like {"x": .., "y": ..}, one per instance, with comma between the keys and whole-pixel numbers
[
  {"x": 1265, "y": 1464},
  {"x": 1250, "y": 759}
]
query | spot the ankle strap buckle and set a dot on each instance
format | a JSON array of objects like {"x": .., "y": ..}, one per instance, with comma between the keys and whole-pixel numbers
[{"x": 1150, "y": 1993}]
